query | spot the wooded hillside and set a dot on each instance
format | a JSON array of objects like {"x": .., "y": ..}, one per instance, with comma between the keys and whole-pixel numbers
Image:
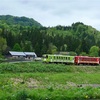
[{"x": 25, "y": 34}]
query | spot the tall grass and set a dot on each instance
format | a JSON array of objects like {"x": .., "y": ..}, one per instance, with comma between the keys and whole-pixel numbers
[
  {"x": 46, "y": 94},
  {"x": 39, "y": 81},
  {"x": 41, "y": 67}
]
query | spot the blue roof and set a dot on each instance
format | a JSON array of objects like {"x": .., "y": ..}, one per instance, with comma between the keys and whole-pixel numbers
[
  {"x": 30, "y": 53},
  {"x": 16, "y": 53}
]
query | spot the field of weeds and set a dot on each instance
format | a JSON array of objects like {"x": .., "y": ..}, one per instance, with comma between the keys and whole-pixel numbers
[{"x": 40, "y": 81}]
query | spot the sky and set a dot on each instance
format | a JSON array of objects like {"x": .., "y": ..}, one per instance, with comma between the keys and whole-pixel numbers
[{"x": 55, "y": 12}]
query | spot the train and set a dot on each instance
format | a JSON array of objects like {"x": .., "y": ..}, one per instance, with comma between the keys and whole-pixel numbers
[{"x": 66, "y": 59}]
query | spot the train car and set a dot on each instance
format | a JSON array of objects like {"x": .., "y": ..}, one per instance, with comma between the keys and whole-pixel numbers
[
  {"x": 50, "y": 58},
  {"x": 86, "y": 60},
  {"x": 99, "y": 60}
]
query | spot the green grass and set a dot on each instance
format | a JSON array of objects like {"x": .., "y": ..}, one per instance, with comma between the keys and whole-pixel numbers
[
  {"x": 51, "y": 94},
  {"x": 55, "y": 78},
  {"x": 42, "y": 67},
  {"x": 38, "y": 81}
]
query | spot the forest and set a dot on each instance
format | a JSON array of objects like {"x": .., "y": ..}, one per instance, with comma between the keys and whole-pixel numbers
[{"x": 26, "y": 34}]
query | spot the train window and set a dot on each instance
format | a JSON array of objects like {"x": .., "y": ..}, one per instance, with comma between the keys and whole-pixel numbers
[
  {"x": 94, "y": 59},
  {"x": 46, "y": 56},
  {"x": 50, "y": 57},
  {"x": 80, "y": 59},
  {"x": 85, "y": 59},
  {"x": 68, "y": 58}
]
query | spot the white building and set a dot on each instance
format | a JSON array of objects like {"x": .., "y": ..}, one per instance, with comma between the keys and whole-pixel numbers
[{"x": 22, "y": 55}]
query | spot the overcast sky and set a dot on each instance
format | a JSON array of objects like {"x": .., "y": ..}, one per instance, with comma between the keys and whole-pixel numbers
[{"x": 55, "y": 12}]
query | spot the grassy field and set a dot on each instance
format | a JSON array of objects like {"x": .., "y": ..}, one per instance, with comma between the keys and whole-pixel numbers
[{"x": 40, "y": 81}]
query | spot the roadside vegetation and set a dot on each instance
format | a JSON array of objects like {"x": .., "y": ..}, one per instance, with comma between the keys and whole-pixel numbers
[{"x": 40, "y": 81}]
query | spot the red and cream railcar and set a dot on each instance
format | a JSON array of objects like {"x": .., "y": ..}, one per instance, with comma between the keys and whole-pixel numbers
[{"x": 86, "y": 60}]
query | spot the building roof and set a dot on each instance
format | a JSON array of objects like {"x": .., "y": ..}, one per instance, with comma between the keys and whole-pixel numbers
[
  {"x": 16, "y": 53},
  {"x": 30, "y": 53}
]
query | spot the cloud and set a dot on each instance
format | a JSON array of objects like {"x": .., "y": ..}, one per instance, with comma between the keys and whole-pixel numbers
[{"x": 55, "y": 12}]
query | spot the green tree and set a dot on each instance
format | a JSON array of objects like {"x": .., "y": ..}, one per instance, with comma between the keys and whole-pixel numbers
[
  {"x": 83, "y": 54},
  {"x": 52, "y": 49},
  {"x": 27, "y": 46},
  {"x": 3, "y": 45},
  {"x": 44, "y": 49},
  {"x": 72, "y": 53},
  {"x": 37, "y": 49},
  {"x": 94, "y": 51},
  {"x": 0, "y": 31},
  {"x": 17, "y": 47}
]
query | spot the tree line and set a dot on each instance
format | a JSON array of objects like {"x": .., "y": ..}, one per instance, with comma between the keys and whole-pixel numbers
[{"x": 77, "y": 39}]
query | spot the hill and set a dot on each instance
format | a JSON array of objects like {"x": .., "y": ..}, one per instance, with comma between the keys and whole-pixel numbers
[
  {"x": 23, "y": 21},
  {"x": 25, "y": 34}
]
